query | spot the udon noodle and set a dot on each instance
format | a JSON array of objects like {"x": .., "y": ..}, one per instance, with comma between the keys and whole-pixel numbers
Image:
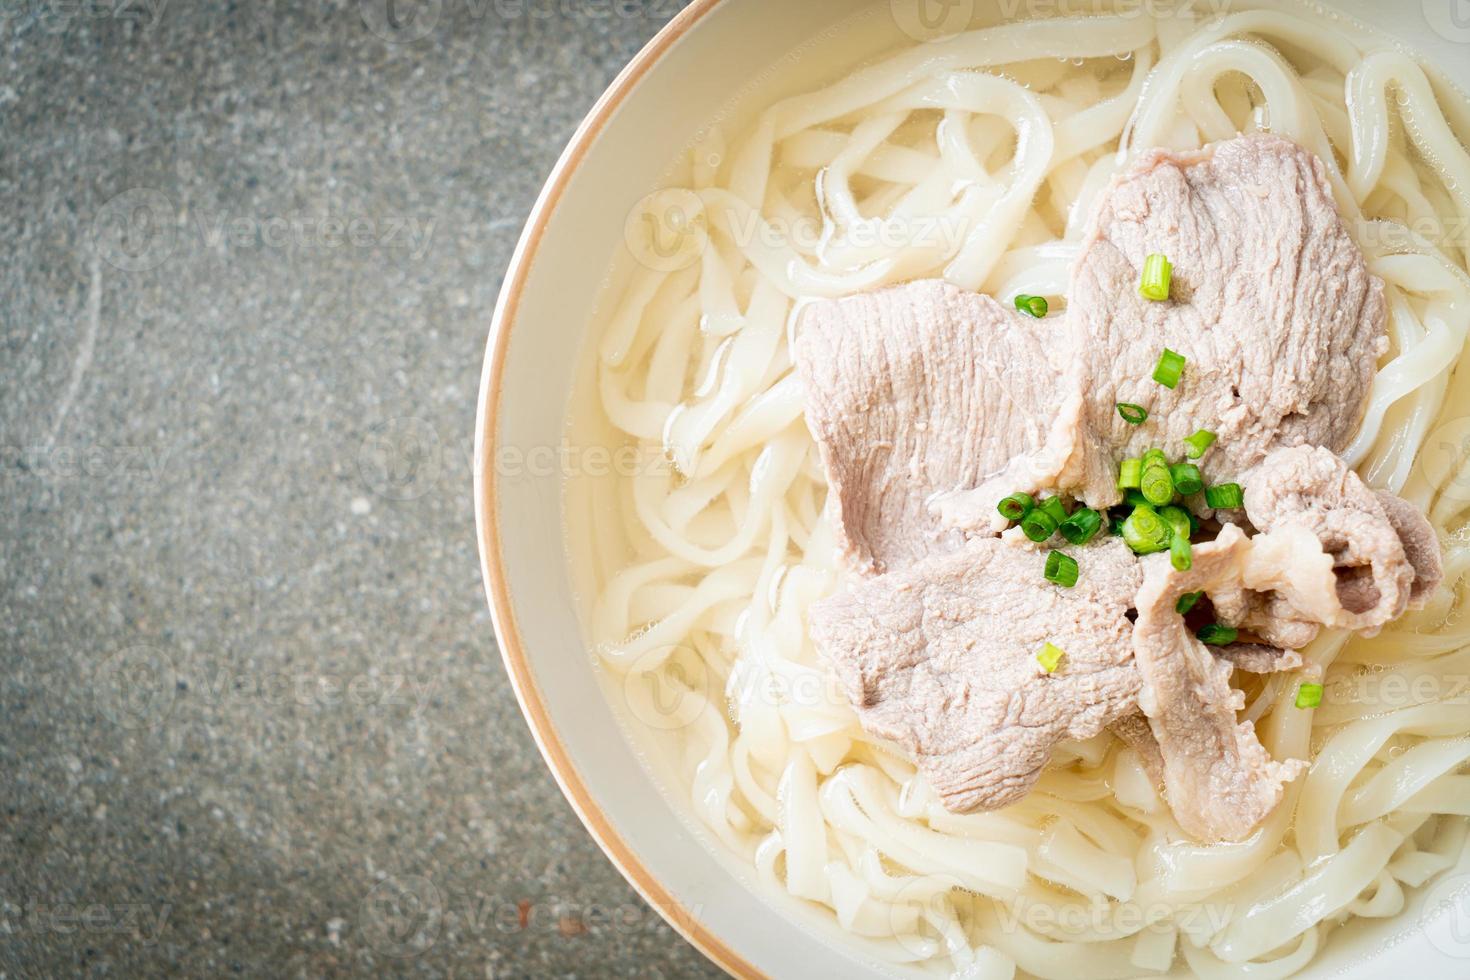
[{"x": 975, "y": 158}]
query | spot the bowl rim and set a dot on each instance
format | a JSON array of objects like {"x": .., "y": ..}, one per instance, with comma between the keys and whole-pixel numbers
[{"x": 497, "y": 590}]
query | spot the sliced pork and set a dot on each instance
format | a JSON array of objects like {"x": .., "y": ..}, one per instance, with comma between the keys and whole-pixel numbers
[
  {"x": 913, "y": 390},
  {"x": 929, "y": 404},
  {"x": 1343, "y": 554},
  {"x": 1219, "y": 779},
  {"x": 940, "y": 657},
  {"x": 1272, "y": 305}
]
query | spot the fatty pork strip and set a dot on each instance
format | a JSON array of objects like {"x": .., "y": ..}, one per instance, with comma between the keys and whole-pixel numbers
[
  {"x": 1219, "y": 779},
  {"x": 1333, "y": 551},
  {"x": 941, "y": 658}
]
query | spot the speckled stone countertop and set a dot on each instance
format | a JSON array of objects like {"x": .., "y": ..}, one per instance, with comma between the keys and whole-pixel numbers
[{"x": 252, "y": 717}]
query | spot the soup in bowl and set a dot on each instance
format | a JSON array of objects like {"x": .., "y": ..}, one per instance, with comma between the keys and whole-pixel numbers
[{"x": 995, "y": 510}]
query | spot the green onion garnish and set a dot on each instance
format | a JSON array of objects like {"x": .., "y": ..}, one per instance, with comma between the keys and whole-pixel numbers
[
  {"x": 1186, "y": 602},
  {"x": 1217, "y": 635},
  {"x": 1016, "y": 506},
  {"x": 1061, "y": 569},
  {"x": 1187, "y": 478},
  {"x": 1038, "y": 525},
  {"x": 1130, "y": 474},
  {"x": 1049, "y": 656},
  {"x": 1053, "y": 506},
  {"x": 1178, "y": 520},
  {"x": 1145, "y": 531},
  {"x": 1157, "y": 273},
  {"x": 1179, "y": 553},
  {"x": 1157, "y": 486},
  {"x": 1081, "y": 526},
  {"x": 1135, "y": 498},
  {"x": 1034, "y": 305},
  {"x": 1169, "y": 369},
  {"x": 1195, "y": 445},
  {"x": 1132, "y": 414},
  {"x": 1224, "y": 496},
  {"x": 1309, "y": 695}
]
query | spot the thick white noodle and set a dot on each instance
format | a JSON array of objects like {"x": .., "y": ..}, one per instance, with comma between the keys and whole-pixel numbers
[{"x": 976, "y": 159}]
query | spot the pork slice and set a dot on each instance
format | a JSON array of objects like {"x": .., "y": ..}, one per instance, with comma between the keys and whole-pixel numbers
[
  {"x": 1272, "y": 305},
  {"x": 1421, "y": 546},
  {"x": 940, "y": 657},
  {"x": 1258, "y": 658},
  {"x": 1219, "y": 779},
  {"x": 1266, "y": 615},
  {"x": 913, "y": 390},
  {"x": 1345, "y": 555}
]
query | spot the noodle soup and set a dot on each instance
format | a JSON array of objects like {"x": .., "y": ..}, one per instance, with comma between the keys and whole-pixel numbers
[{"x": 975, "y": 158}]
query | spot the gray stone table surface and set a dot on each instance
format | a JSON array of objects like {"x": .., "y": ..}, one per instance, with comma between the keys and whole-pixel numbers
[{"x": 252, "y": 717}]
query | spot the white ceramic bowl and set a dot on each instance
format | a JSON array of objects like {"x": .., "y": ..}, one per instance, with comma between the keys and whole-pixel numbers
[{"x": 611, "y": 771}]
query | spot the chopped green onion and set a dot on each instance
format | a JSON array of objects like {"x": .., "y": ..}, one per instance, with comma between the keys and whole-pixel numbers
[
  {"x": 1081, "y": 526},
  {"x": 1178, "y": 520},
  {"x": 1195, "y": 445},
  {"x": 1016, "y": 506},
  {"x": 1179, "y": 553},
  {"x": 1034, "y": 305},
  {"x": 1049, "y": 656},
  {"x": 1154, "y": 455},
  {"x": 1169, "y": 369},
  {"x": 1132, "y": 414},
  {"x": 1061, "y": 569},
  {"x": 1157, "y": 486},
  {"x": 1130, "y": 474},
  {"x": 1309, "y": 695},
  {"x": 1135, "y": 498},
  {"x": 1186, "y": 602},
  {"x": 1157, "y": 273},
  {"x": 1224, "y": 496},
  {"x": 1145, "y": 531},
  {"x": 1038, "y": 525},
  {"x": 1187, "y": 478},
  {"x": 1053, "y": 506},
  {"x": 1217, "y": 635}
]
